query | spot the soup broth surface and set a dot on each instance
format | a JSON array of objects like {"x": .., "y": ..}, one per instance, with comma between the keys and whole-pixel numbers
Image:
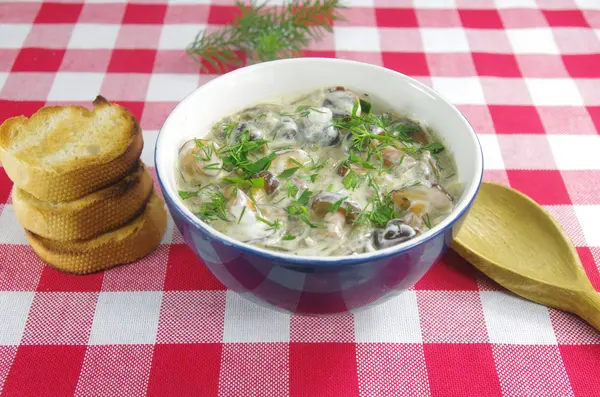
[{"x": 326, "y": 173}]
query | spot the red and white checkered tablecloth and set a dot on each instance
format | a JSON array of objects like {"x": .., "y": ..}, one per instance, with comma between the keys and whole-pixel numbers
[{"x": 526, "y": 74}]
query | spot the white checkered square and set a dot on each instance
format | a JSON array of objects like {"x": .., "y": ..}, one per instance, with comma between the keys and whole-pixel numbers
[
  {"x": 14, "y": 309},
  {"x": 177, "y": 37},
  {"x": 70, "y": 86},
  {"x": 576, "y": 152},
  {"x": 436, "y": 4},
  {"x": 93, "y": 36},
  {"x": 11, "y": 231},
  {"x": 532, "y": 41},
  {"x": 149, "y": 146},
  {"x": 171, "y": 87},
  {"x": 246, "y": 321},
  {"x": 13, "y": 35},
  {"x": 554, "y": 92},
  {"x": 589, "y": 219},
  {"x": 514, "y": 320},
  {"x": 356, "y": 38},
  {"x": 460, "y": 90},
  {"x": 393, "y": 321},
  {"x": 588, "y": 4},
  {"x": 126, "y": 318},
  {"x": 515, "y": 4},
  {"x": 360, "y": 3},
  {"x": 444, "y": 40},
  {"x": 492, "y": 155},
  {"x": 3, "y": 77}
]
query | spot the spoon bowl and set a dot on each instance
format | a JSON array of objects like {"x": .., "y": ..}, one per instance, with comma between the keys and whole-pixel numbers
[{"x": 515, "y": 242}]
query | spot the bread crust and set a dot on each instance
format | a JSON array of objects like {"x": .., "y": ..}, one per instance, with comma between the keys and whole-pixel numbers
[
  {"x": 89, "y": 216},
  {"x": 82, "y": 175},
  {"x": 129, "y": 243}
]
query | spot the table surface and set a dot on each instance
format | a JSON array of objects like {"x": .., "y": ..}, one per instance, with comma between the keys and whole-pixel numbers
[{"x": 525, "y": 73}]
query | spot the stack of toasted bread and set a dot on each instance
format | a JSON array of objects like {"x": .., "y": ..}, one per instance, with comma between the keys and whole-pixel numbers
[{"x": 81, "y": 192}]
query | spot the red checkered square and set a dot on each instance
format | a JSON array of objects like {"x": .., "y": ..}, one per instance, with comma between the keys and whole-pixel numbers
[
  {"x": 144, "y": 13},
  {"x": 500, "y": 65},
  {"x": 323, "y": 369},
  {"x": 7, "y": 58},
  {"x": 576, "y": 41},
  {"x": 355, "y": 16},
  {"x": 529, "y": 64},
  {"x": 174, "y": 61},
  {"x": 145, "y": 37},
  {"x": 488, "y": 40},
  {"x": 582, "y": 186},
  {"x": 398, "y": 39},
  {"x": 451, "y": 65},
  {"x": 185, "y": 370},
  {"x": 572, "y": 330},
  {"x": 155, "y": 113},
  {"x": 58, "y": 13},
  {"x": 318, "y": 54},
  {"x": 479, "y": 117},
  {"x": 254, "y": 369},
  {"x": 527, "y": 370},
  {"x": 594, "y": 112},
  {"x": 38, "y": 60},
  {"x": 517, "y": 18},
  {"x": 480, "y": 19},
  {"x": 503, "y": 91},
  {"x": 77, "y": 60},
  {"x": 516, "y": 119},
  {"x": 498, "y": 176},
  {"x": 122, "y": 369},
  {"x": 53, "y": 280},
  {"x": 131, "y": 61},
  {"x": 526, "y": 152},
  {"x": 590, "y": 266},
  {"x": 44, "y": 371},
  {"x": 451, "y": 317},
  {"x": 49, "y": 36},
  {"x": 546, "y": 187},
  {"x": 136, "y": 109},
  {"x": 385, "y": 368},
  {"x": 222, "y": 15},
  {"x": 396, "y": 17},
  {"x": 581, "y": 363},
  {"x": 18, "y": 12},
  {"x": 185, "y": 271},
  {"x": 566, "y": 217},
  {"x": 18, "y": 108},
  {"x": 191, "y": 317},
  {"x": 146, "y": 274},
  {"x": 409, "y": 63},
  {"x": 6, "y": 186},
  {"x": 102, "y": 13},
  {"x": 583, "y": 66},
  {"x": 60, "y": 318},
  {"x": 449, "y": 273},
  {"x": 187, "y": 13},
  {"x": 7, "y": 355},
  {"x": 127, "y": 87},
  {"x": 438, "y": 18},
  {"x": 374, "y": 58},
  {"x": 461, "y": 370},
  {"x": 27, "y": 86},
  {"x": 565, "y": 18},
  {"x": 566, "y": 120},
  {"x": 21, "y": 268},
  {"x": 322, "y": 329}
]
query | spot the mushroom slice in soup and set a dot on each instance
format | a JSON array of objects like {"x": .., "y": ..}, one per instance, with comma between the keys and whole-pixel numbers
[
  {"x": 421, "y": 203},
  {"x": 289, "y": 159},
  {"x": 410, "y": 128},
  {"x": 317, "y": 128},
  {"x": 395, "y": 232},
  {"x": 341, "y": 101},
  {"x": 254, "y": 132},
  {"x": 286, "y": 129},
  {"x": 198, "y": 159},
  {"x": 271, "y": 184},
  {"x": 326, "y": 202}
]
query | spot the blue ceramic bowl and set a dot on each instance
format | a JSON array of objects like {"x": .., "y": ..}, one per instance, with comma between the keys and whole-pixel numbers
[{"x": 315, "y": 285}]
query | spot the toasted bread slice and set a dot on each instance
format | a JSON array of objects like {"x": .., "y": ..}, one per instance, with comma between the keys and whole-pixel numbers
[
  {"x": 131, "y": 242},
  {"x": 89, "y": 216},
  {"x": 63, "y": 153}
]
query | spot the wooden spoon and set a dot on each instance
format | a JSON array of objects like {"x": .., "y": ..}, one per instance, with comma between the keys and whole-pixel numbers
[{"x": 515, "y": 242}]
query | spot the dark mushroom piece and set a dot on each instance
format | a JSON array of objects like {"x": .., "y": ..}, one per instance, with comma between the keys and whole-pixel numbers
[
  {"x": 286, "y": 129},
  {"x": 341, "y": 101},
  {"x": 271, "y": 182},
  {"x": 394, "y": 232},
  {"x": 317, "y": 128},
  {"x": 410, "y": 128},
  {"x": 254, "y": 132},
  {"x": 322, "y": 202}
]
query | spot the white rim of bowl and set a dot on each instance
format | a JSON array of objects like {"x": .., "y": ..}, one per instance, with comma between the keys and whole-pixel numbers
[{"x": 469, "y": 193}]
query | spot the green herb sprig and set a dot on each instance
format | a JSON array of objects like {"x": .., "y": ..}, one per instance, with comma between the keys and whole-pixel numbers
[{"x": 263, "y": 33}]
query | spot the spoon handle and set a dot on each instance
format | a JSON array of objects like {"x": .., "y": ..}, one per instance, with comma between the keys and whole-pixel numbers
[{"x": 589, "y": 308}]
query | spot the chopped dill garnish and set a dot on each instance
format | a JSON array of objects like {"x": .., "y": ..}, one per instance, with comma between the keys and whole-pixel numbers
[
  {"x": 276, "y": 224},
  {"x": 288, "y": 173},
  {"x": 288, "y": 237},
  {"x": 334, "y": 207},
  {"x": 213, "y": 209},
  {"x": 427, "y": 221},
  {"x": 242, "y": 214},
  {"x": 186, "y": 195}
]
